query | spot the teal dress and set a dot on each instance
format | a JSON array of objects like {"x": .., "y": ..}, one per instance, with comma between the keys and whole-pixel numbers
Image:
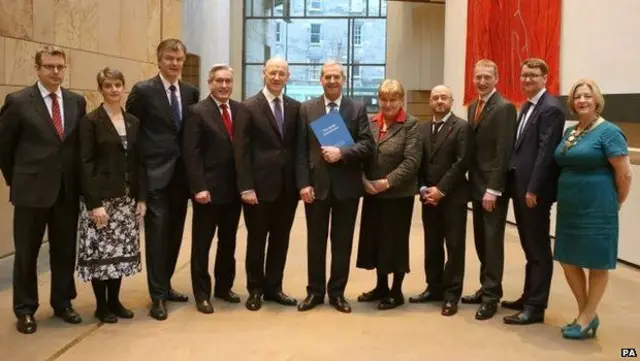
[{"x": 587, "y": 217}]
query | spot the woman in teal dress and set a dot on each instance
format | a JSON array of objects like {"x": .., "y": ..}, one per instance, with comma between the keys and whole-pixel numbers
[{"x": 594, "y": 182}]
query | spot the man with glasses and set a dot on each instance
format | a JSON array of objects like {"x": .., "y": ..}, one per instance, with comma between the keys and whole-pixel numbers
[
  {"x": 38, "y": 159},
  {"x": 161, "y": 103},
  {"x": 532, "y": 184}
]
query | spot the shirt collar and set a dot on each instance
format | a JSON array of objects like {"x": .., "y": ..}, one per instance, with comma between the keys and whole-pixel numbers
[
  {"x": 218, "y": 103},
  {"x": 537, "y": 97},
  {"x": 270, "y": 97},
  {"x": 488, "y": 96},
  {"x": 327, "y": 101},
  {"x": 45, "y": 93},
  {"x": 444, "y": 120},
  {"x": 167, "y": 84},
  {"x": 379, "y": 118}
]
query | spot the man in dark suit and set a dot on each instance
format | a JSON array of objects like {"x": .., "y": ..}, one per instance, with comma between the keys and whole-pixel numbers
[
  {"x": 493, "y": 120},
  {"x": 265, "y": 159},
  {"x": 39, "y": 161},
  {"x": 444, "y": 192},
  {"x": 209, "y": 160},
  {"x": 161, "y": 103},
  {"x": 330, "y": 183},
  {"x": 532, "y": 184}
]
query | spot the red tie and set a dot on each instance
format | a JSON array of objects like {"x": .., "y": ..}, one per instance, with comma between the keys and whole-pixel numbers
[
  {"x": 227, "y": 119},
  {"x": 479, "y": 108},
  {"x": 55, "y": 114}
]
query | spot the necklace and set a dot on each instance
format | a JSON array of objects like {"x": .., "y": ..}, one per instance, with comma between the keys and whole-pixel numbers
[{"x": 575, "y": 136}]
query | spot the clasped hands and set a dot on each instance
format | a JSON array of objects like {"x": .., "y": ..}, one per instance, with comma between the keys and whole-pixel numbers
[
  {"x": 375, "y": 186},
  {"x": 430, "y": 196},
  {"x": 100, "y": 217}
]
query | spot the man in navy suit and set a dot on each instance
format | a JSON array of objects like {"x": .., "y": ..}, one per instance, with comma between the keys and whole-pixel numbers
[{"x": 532, "y": 183}]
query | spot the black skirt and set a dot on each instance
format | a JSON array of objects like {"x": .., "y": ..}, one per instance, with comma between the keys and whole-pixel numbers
[{"x": 384, "y": 234}]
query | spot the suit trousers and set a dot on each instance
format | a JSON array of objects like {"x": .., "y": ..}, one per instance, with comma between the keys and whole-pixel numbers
[
  {"x": 341, "y": 216},
  {"x": 488, "y": 233},
  {"x": 270, "y": 221},
  {"x": 445, "y": 224},
  {"x": 533, "y": 228},
  {"x": 29, "y": 224},
  {"x": 164, "y": 227}
]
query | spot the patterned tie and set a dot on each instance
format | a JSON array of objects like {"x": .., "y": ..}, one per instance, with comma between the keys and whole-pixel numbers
[
  {"x": 479, "y": 109},
  {"x": 175, "y": 107},
  {"x": 55, "y": 115},
  {"x": 436, "y": 127},
  {"x": 227, "y": 119},
  {"x": 277, "y": 112},
  {"x": 333, "y": 107},
  {"x": 523, "y": 115}
]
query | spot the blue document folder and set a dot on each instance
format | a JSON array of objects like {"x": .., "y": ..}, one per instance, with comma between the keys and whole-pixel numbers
[{"x": 330, "y": 130}]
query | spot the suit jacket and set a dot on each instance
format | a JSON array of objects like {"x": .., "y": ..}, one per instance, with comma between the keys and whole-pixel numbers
[
  {"x": 265, "y": 160},
  {"x": 343, "y": 178},
  {"x": 492, "y": 141},
  {"x": 160, "y": 141},
  {"x": 397, "y": 158},
  {"x": 107, "y": 168},
  {"x": 34, "y": 161},
  {"x": 445, "y": 159},
  {"x": 532, "y": 157},
  {"x": 208, "y": 151}
]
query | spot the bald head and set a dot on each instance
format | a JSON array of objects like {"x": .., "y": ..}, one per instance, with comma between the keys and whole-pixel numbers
[
  {"x": 440, "y": 101},
  {"x": 275, "y": 74}
]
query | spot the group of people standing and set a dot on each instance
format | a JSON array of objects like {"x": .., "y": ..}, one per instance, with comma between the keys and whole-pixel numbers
[{"x": 91, "y": 178}]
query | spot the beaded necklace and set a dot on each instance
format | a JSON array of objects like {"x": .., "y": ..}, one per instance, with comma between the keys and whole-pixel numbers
[{"x": 575, "y": 136}]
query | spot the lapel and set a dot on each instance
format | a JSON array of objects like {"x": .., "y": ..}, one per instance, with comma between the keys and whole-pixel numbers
[
  {"x": 41, "y": 108},
  {"x": 131, "y": 132},
  {"x": 266, "y": 110},
  {"x": 488, "y": 107},
  {"x": 442, "y": 135},
  {"x": 183, "y": 99},
  {"x": 391, "y": 131},
  {"x": 533, "y": 117},
  {"x": 161, "y": 96},
  {"x": 104, "y": 118},
  {"x": 289, "y": 119},
  {"x": 427, "y": 137},
  {"x": 375, "y": 130},
  {"x": 70, "y": 111},
  {"x": 216, "y": 117}
]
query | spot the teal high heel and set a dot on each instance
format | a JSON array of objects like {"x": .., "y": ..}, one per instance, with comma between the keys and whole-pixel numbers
[
  {"x": 569, "y": 324},
  {"x": 576, "y": 332}
]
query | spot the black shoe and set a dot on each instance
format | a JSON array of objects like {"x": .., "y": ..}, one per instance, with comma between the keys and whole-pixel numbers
[
  {"x": 68, "y": 315},
  {"x": 228, "y": 296},
  {"x": 310, "y": 302},
  {"x": 487, "y": 310},
  {"x": 516, "y": 305},
  {"x": 474, "y": 299},
  {"x": 105, "y": 315},
  {"x": 26, "y": 324},
  {"x": 375, "y": 294},
  {"x": 281, "y": 298},
  {"x": 426, "y": 296},
  {"x": 528, "y": 315},
  {"x": 119, "y": 310},
  {"x": 174, "y": 296},
  {"x": 254, "y": 302},
  {"x": 159, "y": 310},
  {"x": 340, "y": 304},
  {"x": 449, "y": 308},
  {"x": 391, "y": 302},
  {"x": 204, "y": 306}
]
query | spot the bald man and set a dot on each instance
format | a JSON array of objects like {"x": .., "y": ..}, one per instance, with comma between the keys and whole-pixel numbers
[
  {"x": 264, "y": 146},
  {"x": 444, "y": 193}
]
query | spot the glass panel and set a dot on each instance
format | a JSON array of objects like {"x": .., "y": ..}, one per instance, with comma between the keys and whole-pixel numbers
[
  {"x": 374, "y": 7},
  {"x": 328, "y": 8},
  {"x": 253, "y": 81},
  {"x": 262, "y": 7},
  {"x": 384, "y": 8},
  {"x": 314, "y": 41},
  {"x": 296, "y": 7},
  {"x": 265, "y": 38},
  {"x": 247, "y": 8},
  {"x": 304, "y": 83},
  {"x": 365, "y": 82},
  {"x": 372, "y": 47}
]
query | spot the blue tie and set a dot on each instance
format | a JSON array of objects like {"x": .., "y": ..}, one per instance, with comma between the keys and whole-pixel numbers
[
  {"x": 175, "y": 108},
  {"x": 277, "y": 112},
  {"x": 333, "y": 107}
]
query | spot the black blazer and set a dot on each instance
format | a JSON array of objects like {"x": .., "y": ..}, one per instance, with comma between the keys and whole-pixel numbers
[
  {"x": 344, "y": 177},
  {"x": 265, "y": 160},
  {"x": 34, "y": 161},
  {"x": 107, "y": 169},
  {"x": 532, "y": 157},
  {"x": 397, "y": 158},
  {"x": 445, "y": 160},
  {"x": 208, "y": 151},
  {"x": 160, "y": 141},
  {"x": 492, "y": 142}
]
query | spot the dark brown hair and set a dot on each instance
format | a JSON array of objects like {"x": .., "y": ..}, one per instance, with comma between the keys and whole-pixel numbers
[
  {"x": 535, "y": 63},
  {"x": 170, "y": 45},
  {"x": 49, "y": 50},
  {"x": 109, "y": 73}
]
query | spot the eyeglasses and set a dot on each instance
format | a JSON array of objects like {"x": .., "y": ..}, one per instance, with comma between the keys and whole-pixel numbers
[
  {"x": 530, "y": 76},
  {"x": 52, "y": 67}
]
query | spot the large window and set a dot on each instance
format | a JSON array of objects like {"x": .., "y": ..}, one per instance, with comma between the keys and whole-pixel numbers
[{"x": 309, "y": 32}]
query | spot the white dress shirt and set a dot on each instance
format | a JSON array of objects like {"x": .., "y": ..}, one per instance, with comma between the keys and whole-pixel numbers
[
  {"x": 167, "y": 84},
  {"x": 270, "y": 98},
  {"x": 534, "y": 102},
  {"x": 219, "y": 103},
  {"x": 327, "y": 101},
  {"x": 49, "y": 103}
]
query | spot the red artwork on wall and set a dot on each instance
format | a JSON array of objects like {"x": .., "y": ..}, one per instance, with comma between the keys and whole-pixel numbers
[{"x": 507, "y": 32}]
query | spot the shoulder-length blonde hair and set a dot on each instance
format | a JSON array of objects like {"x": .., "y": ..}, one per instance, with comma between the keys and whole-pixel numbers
[
  {"x": 391, "y": 87},
  {"x": 597, "y": 95}
]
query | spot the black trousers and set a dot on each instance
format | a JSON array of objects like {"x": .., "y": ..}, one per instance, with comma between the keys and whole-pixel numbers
[
  {"x": 488, "y": 233},
  {"x": 206, "y": 218},
  {"x": 340, "y": 215},
  {"x": 29, "y": 225},
  {"x": 270, "y": 221},
  {"x": 445, "y": 224},
  {"x": 533, "y": 228},
  {"x": 163, "y": 228}
]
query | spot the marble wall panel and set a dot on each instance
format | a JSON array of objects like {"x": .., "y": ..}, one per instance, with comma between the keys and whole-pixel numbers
[
  {"x": 154, "y": 9},
  {"x": 16, "y": 19},
  {"x": 76, "y": 24},
  {"x": 133, "y": 38},
  {"x": 2, "y": 55},
  {"x": 19, "y": 61},
  {"x": 109, "y": 27},
  {"x": 43, "y": 20},
  {"x": 171, "y": 19},
  {"x": 84, "y": 67}
]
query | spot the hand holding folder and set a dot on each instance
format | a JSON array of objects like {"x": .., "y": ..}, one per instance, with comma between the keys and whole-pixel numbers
[{"x": 331, "y": 131}]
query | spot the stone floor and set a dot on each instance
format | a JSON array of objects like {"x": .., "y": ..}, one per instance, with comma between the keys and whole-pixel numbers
[{"x": 412, "y": 332}]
